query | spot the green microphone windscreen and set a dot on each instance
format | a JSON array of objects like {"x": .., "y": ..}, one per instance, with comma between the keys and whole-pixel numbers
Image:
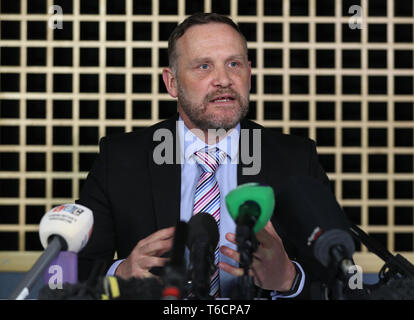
[{"x": 261, "y": 194}]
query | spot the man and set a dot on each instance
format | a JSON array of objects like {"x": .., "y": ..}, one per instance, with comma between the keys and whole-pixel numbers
[{"x": 137, "y": 201}]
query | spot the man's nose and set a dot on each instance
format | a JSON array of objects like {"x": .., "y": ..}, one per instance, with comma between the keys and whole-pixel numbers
[{"x": 222, "y": 78}]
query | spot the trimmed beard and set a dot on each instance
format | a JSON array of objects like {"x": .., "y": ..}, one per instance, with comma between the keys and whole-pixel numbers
[{"x": 197, "y": 112}]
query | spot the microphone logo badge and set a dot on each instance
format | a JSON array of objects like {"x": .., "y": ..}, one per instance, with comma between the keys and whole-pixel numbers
[
  {"x": 314, "y": 235},
  {"x": 73, "y": 209}
]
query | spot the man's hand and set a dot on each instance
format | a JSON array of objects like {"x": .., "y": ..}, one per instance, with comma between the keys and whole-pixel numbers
[
  {"x": 271, "y": 267},
  {"x": 147, "y": 254}
]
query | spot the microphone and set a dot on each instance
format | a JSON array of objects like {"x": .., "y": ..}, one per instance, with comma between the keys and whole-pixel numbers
[
  {"x": 175, "y": 277},
  {"x": 310, "y": 216},
  {"x": 63, "y": 228},
  {"x": 251, "y": 204},
  {"x": 203, "y": 236},
  {"x": 251, "y": 207}
]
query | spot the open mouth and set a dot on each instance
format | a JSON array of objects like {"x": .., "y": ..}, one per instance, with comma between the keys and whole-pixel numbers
[{"x": 222, "y": 99}]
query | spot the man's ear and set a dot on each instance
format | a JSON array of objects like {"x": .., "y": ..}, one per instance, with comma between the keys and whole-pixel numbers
[
  {"x": 170, "y": 82},
  {"x": 250, "y": 75}
]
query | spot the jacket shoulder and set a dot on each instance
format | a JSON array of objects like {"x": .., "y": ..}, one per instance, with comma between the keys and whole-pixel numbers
[
  {"x": 272, "y": 137},
  {"x": 144, "y": 137}
]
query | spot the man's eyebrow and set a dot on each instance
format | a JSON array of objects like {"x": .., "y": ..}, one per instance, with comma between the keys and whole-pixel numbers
[
  {"x": 237, "y": 56},
  {"x": 208, "y": 59},
  {"x": 201, "y": 59}
]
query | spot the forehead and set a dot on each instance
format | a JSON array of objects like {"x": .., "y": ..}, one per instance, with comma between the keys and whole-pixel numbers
[{"x": 209, "y": 39}]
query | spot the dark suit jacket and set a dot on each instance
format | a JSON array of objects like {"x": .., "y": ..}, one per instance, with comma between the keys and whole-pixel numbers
[{"x": 132, "y": 197}]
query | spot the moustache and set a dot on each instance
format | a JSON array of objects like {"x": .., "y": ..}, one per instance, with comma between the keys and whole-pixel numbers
[{"x": 220, "y": 92}]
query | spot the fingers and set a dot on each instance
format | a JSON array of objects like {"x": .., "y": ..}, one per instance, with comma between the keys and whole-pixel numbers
[
  {"x": 264, "y": 238},
  {"x": 270, "y": 261},
  {"x": 162, "y": 234},
  {"x": 150, "y": 262},
  {"x": 141, "y": 270},
  {"x": 157, "y": 243},
  {"x": 231, "y": 237},
  {"x": 238, "y": 272},
  {"x": 157, "y": 248},
  {"x": 233, "y": 254},
  {"x": 147, "y": 254},
  {"x": 267, "y": 236},
  {"x": 235, "y": 271},
  {"x": 255, "y": 270},
  {"x": 270, "y": 229}
]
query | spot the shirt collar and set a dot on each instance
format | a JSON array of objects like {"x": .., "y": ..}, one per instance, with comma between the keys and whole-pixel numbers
[{"x": 190, "y": 143}]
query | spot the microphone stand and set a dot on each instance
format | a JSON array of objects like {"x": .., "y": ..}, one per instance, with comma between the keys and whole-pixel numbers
[
  {"x": 341, "y": 265},
  {"x": 394, "y": 265},
  {"x": 175, "y": 272},
  {"x": 246, "y": 245},
  {"x": 23, "y": 289}
]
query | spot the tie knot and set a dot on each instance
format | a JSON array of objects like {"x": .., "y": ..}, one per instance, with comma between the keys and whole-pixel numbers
[{"x": 209, "y": 159}]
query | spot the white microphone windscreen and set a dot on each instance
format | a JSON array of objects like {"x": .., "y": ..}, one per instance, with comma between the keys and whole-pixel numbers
[{"x": 73, "y": 222}]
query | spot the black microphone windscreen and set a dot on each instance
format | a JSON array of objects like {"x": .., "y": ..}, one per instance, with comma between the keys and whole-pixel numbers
[
  {"x": 139, "y": 289},
  {"x": 68, "y": 291},
  {"x": 394, "y": 289},
  {"x": 132, "y": 288},
  {"x": 180, "y": 240},
  {"x": 203, "y": 225}
]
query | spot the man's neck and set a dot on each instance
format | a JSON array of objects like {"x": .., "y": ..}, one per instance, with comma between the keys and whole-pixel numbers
[{"x": 209, "y": 136}]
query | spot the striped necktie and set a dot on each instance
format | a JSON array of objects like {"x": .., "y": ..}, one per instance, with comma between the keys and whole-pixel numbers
[{"x": 207, "y": 198}]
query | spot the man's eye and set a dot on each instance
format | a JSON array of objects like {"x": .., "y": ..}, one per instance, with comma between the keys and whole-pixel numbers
[
  {"x": 204, "y": 66},
  {"x": 233, "y": 64}
]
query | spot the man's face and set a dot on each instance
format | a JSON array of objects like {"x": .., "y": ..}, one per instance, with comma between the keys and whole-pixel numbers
[{"x": 213, "y": 77}]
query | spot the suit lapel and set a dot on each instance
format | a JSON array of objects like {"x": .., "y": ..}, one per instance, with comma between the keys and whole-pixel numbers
[
  {"x": 166, "y": 178},
  {"x": 242, "y": 177},
  {"x": 166, "y": 183}
]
